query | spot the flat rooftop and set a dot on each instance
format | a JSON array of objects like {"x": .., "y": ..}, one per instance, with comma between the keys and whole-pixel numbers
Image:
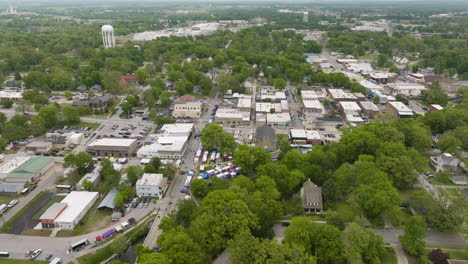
[
  {"x": 53, "y": 211},
  {"x": 110, "y": 142},
  {"x": 312, "y": 104},
  {"x": 150, "y": 179},
  {"x": 76, "y": 203}
]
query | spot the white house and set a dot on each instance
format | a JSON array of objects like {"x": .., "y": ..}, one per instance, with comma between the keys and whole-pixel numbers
[{"x": 151, "y": 184}]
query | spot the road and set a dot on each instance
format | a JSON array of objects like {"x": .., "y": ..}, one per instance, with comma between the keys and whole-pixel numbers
[
  {"x": 332, "y": 60},
  {"x": 294, "y": 107},
  {"x": 173, "y": 195}
]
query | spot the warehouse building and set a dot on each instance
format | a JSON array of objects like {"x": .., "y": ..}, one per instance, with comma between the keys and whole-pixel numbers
[
  {"x": 68, "y": 213},
  {"x": 407, "y": 89},
  {"x": 399, "y": 110},
  {"x": 170, "y": 144},
  {"x": 11, "y": 188},
  {"x": 337, "y": 95},
  {"x": 25, "y": 169},
  {"x": 369, "y": 108},
  {"x": 114, "y": 147},
  {"x": 312, "y": 106},
  {"x": 232, "y": 117},
  {"x": 350, "y": 111},
  {"x": 278, "y": 119},
  {"x": 39, "y": 146}
]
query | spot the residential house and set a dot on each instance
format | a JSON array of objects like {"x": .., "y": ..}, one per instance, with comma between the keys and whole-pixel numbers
[{"x": 311, "y": 196}]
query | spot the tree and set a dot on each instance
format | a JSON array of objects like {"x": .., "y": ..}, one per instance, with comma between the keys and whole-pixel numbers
[
  {"x": 437, "y": 256},
  {"x": 280, "y": 84},
  {"x": 179, "y": 247},
  {"x": 222, "y": 216},
  {"x": 249, "y": 158},
  {"x": 6, "y": 104},
  {"x": 412, "y": 239},
  {"x": 363, "y": 245},
  {"x": 142, "y": 75},
  {"x": 186, "y": 212},
  {"x": 449, "y": 144},
  {"x": 199, "y": 188},
  {"x": 80, "y": 161},
  {"x": 88, "y": 185},
  {"x": 111, "y": 81},
  {"x": 127, "y": 108},
  {"x": 134, "y": 173},
  {"x": 38, "y": 126},
  {"x": 70, "y": 115},
  {"x": 67, "y": 94},
  {"x": 214, "y": 137},
  {"x": 23, "y": 106},
  {"x": 13, "y": 132},
  {"x": 402, "y": 98},
  {"x": 288, "y": 182},
  {"x": 49, "y": 114},
  {"x": 335, "y": 219}
]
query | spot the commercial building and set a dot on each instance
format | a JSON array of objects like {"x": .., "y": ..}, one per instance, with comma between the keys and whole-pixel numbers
[
  {"x": 114, "y": 147},
  {"x": 151, "y": 184},
  {"x": 399, "y": 109},
  {"x": 284, "y": 106},
  {"x": 311, "y": 196},
  {"x": 312, "y": 106},
  {"x": 68, "y": 213},
  {"x": 25, "y": 169},
  {"x": 93, "y": 178},
  {"x": 244, "y": 104},
  {"x": 370, "y": 85},
  {"x": 309, "y": 95},
  {"x": 408, "y": 89},
  {"x": 169, "y": 144},
  {"x": 337, "y": 95},
  {"x": 273, "y": 96},
  {"x": 39, "y": 146},
  {"x": 369, "y": 108},
  {"x": 187, "y": 110},
  {"x": 278, "y": 119},
  {"x": 268, "y": 107},
  {"x": 10, "y": 96},
  {"x": 350, "y": 111},
  {"x": 232, "y": 117},
  {"x": 301, "y": 136}
]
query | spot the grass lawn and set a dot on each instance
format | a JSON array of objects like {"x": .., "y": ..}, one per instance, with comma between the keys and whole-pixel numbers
[
  {"x": 98, "y": 257},
  {"x": 455, "y": 254},
  {"x": 412, "y": 260},
  {"x": 6, "y": 227},
  {"x": 343, "y": 209},
  {"x": 92, "y": 221},
  {"x": 55, "y": 199},
  {"x": 94, "y": 126},
  {"x": 5, "y": 199},
  {"x": 21, "y": 261},
  {"x": 389, "y": 256},
  {"x": 368, "y": 57}
]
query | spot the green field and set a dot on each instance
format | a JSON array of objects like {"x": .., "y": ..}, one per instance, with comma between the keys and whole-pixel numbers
[
  {"x": 21, "y": 261},
  {"x": 389, "y": 257},
  {"x": 5, "y": 199},
  {"x": 94, "y": 126}
]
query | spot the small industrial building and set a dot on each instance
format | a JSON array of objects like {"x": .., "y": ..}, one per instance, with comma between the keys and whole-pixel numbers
[
  {"x": 112, "y": 147},
  {"x": 11, "y": 188},
  {"x": 350, "y": 111},
  {"x": 268, "y": 108},
  {"x": 151, "y": 184},
  {"x": 278, "y": 119},
  {"x": 311, "y": 196},
  {"x": 244, "y": 104},
  {"x": 232, "y": 117},
  {"x": 92, "y": 177},
  {"x": 302, "y": 137},
  {"x": 369, "y": 108},
  {"x": 25, "y": 169},
  {"x": 407, "y": 89},
  {"x": 170, "y": 144},
  {"x": 309, "y": 95},
  {"x": 108, "y": 201},
  {"x": 399, "y": 110},
  {"x": 10, "y": 96},
  {"x": 337, "y": 95},
  {"x": 187, "y": 110},
  {"x": 284, "y": 106},
  {"x": 68, "y": 213},
  {"x": 312, "y": 106},
  {"x": 39, "y": 146}
]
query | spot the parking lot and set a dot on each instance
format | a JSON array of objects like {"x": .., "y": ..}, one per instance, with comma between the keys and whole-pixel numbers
[{"x": 138, "y": 131}]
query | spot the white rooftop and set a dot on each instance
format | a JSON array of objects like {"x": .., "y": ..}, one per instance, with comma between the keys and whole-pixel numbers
[
  {"x": 150, "y": 179},
  {"x": 312, "y": 104},
  {"x": 406, "y": 86},
  {"x": 244, "y": 103},
  {"x": 401, "y": 108},
  {"x": 298, "y": 133},
  {"x": 370, "y": 85},
  {"x": 110, "y": 142},
  {"x": 232, "y": 114},
  {"x": 309, "y": 95},
  {"x": 436, "y": 106},
  {"x": 12, "y": 164},
  {"x": 313, "y": 134},
  {"x": 366, "y": 105},
  {"x": 76, "y": 203},
  {"x": 341, "y": 94},
  {"x": 278, "y": 118},
  {"x": 177, "y": 129},
  {"x": 165, "y": 144},
  {"x": 10, "y": 95},
  {"x": 266, "y": 107}
]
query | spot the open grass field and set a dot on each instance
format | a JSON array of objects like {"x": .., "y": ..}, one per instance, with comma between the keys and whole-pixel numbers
[{"x": 21, "y": 261}]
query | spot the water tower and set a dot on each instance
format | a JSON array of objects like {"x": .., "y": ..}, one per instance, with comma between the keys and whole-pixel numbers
[
  {"x": 108, "y": 36},
  {"x": 306, "y": 17}
]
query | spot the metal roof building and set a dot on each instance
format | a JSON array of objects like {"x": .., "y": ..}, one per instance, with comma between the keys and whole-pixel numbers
[
  {"x": 11, "y": 187},
  {"x": 78, "y": 203},
  {"x": 30, "y": 170},
  {"x": 108, "y": 201}
]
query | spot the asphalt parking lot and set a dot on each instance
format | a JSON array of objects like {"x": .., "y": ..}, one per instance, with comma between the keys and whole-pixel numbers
[{"x": 25, "y": 220}]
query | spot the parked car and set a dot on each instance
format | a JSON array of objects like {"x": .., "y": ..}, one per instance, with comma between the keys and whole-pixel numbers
[
  {"x": 48, "y": 257},
  {"x": 28, "y": 253}
]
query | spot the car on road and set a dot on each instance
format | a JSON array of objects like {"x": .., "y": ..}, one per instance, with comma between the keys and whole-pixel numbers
[
  {"x": 128, "y": 210},
  {"x": 132, "y": 221},
  {"x": 48, "y": 257},
  {"x": 28, "y": 253},
  {"x": 36, "y": 253}
]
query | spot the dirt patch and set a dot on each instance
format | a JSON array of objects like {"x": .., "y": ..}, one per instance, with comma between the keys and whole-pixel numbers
[{"x": 25, "y": 220}]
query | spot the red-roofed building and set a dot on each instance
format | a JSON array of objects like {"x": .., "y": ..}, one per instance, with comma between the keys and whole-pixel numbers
[
  {"x": 128, "y": 79},
  {"x": 188, "y": 98}
]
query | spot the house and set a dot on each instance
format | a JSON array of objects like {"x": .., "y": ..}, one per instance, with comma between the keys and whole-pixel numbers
[
  {"x": 128, "y": 80},
  {"x": 444, "y": 161},
  {"x": 99, "y": 104},
  {"x": 151, "y": 184},
  {"x": 311, "y": 196},
  {"x": 93, "y": 178}
]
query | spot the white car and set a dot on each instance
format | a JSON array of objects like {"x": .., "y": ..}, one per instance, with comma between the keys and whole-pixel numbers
[
  {"x": 36, "y": 253},
  {"x": 12, "y": 203}
]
